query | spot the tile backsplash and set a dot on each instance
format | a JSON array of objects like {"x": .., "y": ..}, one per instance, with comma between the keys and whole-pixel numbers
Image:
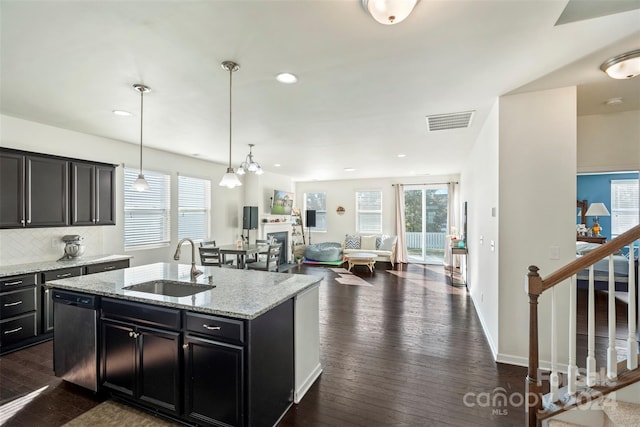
[{"x": 25, "y": 245}]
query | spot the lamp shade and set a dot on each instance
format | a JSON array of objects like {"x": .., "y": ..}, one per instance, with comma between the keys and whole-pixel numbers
[
  {"x": 230, "y": 179},
  {"x": 389, "y": 12},
  {"x": 597, "y": 209}
]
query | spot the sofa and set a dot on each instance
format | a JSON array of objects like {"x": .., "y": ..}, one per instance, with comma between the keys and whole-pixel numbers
[{"x": 383, "y": 246}]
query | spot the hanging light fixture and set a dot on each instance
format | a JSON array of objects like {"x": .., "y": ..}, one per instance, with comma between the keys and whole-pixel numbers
[
  {"x": 623, "y": 66},
  {"x": 249, "y": 164},
  {"x": 140, "y": 183},
  {"x": 389, "y": 12},
  {"x": 230, "y": 179}
]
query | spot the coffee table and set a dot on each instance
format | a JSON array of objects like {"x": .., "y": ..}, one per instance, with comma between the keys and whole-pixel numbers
[{"x": 361, "y": 258}]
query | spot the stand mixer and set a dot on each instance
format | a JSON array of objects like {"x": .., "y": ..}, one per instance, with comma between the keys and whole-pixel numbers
[{"x": 72, "y": 248}]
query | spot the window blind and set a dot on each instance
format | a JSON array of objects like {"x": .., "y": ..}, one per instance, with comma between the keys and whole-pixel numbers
[
  {"x": 625, "y": 205},
  {"x": 369, "y": 211},
  {"x": 194, "y": 204},
  {"x": 146, "y": 213}
]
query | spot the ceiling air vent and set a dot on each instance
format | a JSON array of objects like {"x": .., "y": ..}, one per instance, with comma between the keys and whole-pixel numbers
[{"x": 449, "y": 121}]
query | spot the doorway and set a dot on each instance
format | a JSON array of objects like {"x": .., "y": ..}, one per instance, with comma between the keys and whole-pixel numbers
[{"x": 425, "y": 212}]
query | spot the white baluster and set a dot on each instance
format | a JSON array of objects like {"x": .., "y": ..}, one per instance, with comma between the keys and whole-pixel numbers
[
  {"x": 591, "y": 334},
  {"x": 572, "y": 369},
  {"x": 632, "y": 345},
  {"x": 612, "y": 357},
  {"x": 553, "y": 379}
]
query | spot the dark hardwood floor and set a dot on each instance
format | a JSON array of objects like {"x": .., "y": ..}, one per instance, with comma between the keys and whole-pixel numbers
[{"x": 407, "y": 350}]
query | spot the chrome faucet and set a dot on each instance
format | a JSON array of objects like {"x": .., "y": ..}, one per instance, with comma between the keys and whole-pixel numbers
[{"x": 194, "y": 271}]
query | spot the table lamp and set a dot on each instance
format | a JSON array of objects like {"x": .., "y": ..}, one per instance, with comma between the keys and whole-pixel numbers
[{"x": 596, "y": 210}]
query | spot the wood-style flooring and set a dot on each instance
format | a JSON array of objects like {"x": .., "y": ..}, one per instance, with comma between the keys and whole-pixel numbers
[{"x": 406, "y": 350}]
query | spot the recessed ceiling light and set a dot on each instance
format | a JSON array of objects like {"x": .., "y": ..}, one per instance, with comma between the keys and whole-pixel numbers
[
  {"x": 286, "y": 78},
  {"x": 402, "y": 155},
  {"x": 349, "y": 169},
  {"x": 277, "y": 165},
  {"x": 613, "y": 101},
  {"x": 122, "y": 113}
]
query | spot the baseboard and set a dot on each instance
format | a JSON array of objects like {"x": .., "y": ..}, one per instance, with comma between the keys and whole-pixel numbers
[
  {"x": 494, "y": 350},
  {"x": 524, "y": 361},
  {"x": 307, "y": 383}
]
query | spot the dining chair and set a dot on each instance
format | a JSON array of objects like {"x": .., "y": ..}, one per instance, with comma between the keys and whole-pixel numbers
[
  {"x": 263, "y": 248},
  {"x": 271, "y": 260},
  {"x": 210, "y": 255}
]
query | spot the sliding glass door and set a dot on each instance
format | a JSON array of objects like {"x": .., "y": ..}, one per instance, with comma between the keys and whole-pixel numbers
[{"x": 425, "y": 212}]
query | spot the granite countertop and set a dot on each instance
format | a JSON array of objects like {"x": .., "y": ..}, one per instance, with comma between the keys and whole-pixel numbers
[
  {"x": 239, "y": 294},
  {"x": 35, "y": 267}
]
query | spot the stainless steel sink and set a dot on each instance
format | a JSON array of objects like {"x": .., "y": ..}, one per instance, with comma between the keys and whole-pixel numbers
[{"x": 169, "y": 288}]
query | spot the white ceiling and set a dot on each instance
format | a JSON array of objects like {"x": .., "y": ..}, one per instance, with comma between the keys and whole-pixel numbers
[{"x": 364, "y": 89}]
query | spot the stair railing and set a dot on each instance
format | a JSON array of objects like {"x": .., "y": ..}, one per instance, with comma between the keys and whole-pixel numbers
[{"x": 535, "y": 285}]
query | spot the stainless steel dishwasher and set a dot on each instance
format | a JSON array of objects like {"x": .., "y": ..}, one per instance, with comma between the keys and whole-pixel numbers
[{"x": 75, "y": 338}]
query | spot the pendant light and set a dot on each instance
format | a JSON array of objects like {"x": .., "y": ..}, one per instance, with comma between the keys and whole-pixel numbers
[
  {"x": 230, "y": 179},
  {"x": 389, "y": 12},
  {"x": 140, "y": 183}
]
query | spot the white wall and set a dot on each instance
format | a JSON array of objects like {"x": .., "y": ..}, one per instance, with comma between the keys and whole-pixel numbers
[
  {"x": 226, "y": 204},
  {"x": 609, "y": 142},
  {"x": 479, "y": 184},
  {"x": 537, "y": 171},
  {"x": 343, "y": 193}
]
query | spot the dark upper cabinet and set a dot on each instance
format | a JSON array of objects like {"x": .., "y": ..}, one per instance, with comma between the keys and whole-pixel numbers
[
  {"x": 35, "y": 191},
  {"x": 92, "y": 194}
]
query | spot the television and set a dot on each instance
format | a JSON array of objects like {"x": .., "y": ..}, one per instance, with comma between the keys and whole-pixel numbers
[{"x": 281, "y": 203}]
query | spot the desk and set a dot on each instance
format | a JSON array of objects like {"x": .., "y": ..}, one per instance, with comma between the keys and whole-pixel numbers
[
  {"x": 591, "y": 239},
  {"x": 461, "y": 252},
  {"x": 240, "y": 252}
]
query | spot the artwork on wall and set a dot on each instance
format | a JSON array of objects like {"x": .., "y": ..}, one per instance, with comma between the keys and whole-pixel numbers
[{"x": 282, "y": 203}]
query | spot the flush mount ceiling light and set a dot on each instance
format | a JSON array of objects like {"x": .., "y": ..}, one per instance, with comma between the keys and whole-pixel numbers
[
  {"x": 230, "y": 179},
  {"x": 249, "y": 164},
  {"x": 389, "y": 12},
  {"x": 140, "y": 183},
  {"x": 287, "y": 78},
  {"x": 623, "y": 66}
]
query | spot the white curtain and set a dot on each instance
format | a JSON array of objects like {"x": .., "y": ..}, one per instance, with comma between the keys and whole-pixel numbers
[
  {"x": 401, "y": 245},
  {"x": 453, "y": 224}
]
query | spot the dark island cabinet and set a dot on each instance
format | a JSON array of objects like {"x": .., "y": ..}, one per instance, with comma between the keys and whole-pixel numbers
[
  {"x": 92, "y": 194},
  {"x": 213, "y": 382},
  {"x": 140, "y": 362},
  {"x": 34, "y": 191}
]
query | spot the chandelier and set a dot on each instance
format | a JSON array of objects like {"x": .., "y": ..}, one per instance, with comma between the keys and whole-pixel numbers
[{"x": 249, "y": 165}]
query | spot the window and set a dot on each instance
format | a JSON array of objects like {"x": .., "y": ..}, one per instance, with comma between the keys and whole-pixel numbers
[
  {"x": 624, "y": 205},
  {"x": 369, "y": 211},
  {"x": 317, "y": 202},
  {"x": 146, "y": 213},
  {"x": 194, "y": 202}
]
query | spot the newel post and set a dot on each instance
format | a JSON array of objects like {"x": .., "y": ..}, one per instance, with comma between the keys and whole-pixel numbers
[{"x": 533, "y": 387}]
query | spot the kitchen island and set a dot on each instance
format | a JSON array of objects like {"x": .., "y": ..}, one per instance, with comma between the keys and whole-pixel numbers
[{"x": 237, "y": 349}]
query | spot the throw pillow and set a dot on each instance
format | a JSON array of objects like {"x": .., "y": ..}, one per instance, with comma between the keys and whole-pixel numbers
[
  {"x": 368, "y": 243},
  {"x": 351, "y": 242},
  {"x": 387, "y": 243}
]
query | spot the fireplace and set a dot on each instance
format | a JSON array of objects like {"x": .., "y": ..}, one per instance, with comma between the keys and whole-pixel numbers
[{"x": 283, "y": 238}]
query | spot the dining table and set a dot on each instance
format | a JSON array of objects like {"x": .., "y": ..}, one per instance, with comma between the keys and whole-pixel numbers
[{"x": 241, "y": 252}]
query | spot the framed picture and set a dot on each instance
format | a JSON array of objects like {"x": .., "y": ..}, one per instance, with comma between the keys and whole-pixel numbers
[{"x": 282, "y": 203}]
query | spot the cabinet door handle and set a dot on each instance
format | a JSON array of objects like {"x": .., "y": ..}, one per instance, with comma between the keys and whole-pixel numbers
[
  {"x": 13, "y": 331},
  {"x": 22, "y": 221},
  {"x": 185, "y": 346},
  {"x": 17, "y": 282},
  {"x": 211, "y": 328},
  {"x": 11, "y": 304},
  {"x": 110, "y": 267},
  {"x": 61, "y": 276}
]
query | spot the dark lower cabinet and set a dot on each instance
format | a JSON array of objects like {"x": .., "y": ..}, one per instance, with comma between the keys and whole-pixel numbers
[
  {"x": 142, "y": 363},
  {"x": 18, "y": 311},
  {"x": 213, "y": 382}
]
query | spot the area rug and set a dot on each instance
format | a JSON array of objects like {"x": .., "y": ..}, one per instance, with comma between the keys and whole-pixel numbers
[{"x": 110, "y": 413}]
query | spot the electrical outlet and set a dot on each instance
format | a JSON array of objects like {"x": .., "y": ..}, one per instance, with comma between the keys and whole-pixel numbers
[
  {"x": 493, "y": 246},
  {"x": 481, "y": 239},
  {"x": 55, "y": 243},
  {"x": 554, "y": 252},
  {"x": 481, "y": 296}
]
